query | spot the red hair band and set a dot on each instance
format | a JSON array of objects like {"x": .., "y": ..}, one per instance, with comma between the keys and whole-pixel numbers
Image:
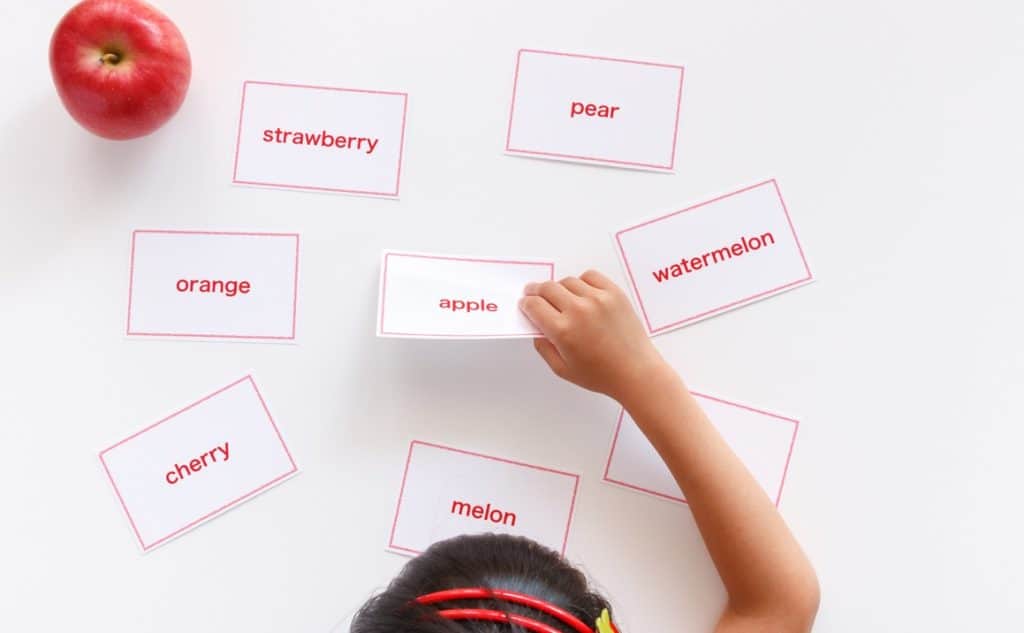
[{"x": 498, "y": 616}]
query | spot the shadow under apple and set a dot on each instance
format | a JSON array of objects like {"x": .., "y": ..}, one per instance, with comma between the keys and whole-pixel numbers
[{"x": 61, "y": 183}]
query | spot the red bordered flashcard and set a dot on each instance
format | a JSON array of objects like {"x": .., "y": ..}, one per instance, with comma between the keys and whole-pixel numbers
[
  {"x": 449, "y": 491},
  {"x": 603, "y": 110},
  {"x": 197, "y": 463},
  {"x": 763, "y": 441},
  {"x": 449, "y": 296},
  {"x": 213, "y": 285},
  {"x": 321, "y": 138},
  {"x": 712, "y": 257}
]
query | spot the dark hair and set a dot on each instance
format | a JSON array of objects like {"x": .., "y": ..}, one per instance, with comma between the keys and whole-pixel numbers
[{"x": 492, "y": 561}]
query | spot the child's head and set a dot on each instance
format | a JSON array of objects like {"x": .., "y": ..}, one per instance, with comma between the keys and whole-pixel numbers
[{"x": 489, "y": 561}]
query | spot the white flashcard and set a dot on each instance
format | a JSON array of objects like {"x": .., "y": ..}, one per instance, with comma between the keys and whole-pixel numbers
[
  {"x": 446, "y": 296},
  {"x": 319, "y": 138},
  {"x": 602, "y": 110},
  {"x": 763, "y": 441},
  {"x": 712, "y": 257},
  {"x": 447, "y": 492},
  {"x": 213, "y": 285},
  {"x": 197, "y": 463}
]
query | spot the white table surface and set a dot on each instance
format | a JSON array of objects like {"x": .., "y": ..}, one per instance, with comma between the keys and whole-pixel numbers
[{"x": 894, "y": 129}]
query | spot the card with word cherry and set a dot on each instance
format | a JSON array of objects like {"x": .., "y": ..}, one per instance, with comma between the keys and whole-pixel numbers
[{"x": 197, "y": 463}]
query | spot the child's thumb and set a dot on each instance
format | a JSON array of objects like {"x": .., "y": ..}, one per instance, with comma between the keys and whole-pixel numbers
[{"x": 551, "y": 356}]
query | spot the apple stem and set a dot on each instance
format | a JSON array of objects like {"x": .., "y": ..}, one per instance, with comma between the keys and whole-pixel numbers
[{"x": 110, "y": 58}]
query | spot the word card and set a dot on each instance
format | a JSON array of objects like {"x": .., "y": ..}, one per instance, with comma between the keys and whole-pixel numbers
[
  {"x": 763, "y": 441},
  {"x": 213, "y": 285},
  {"x": 197, "y": 463},
  {"x": 590, "y": 109},
  {"x": 712, "y": 257},
  {"x": 321, "y": 139},
  {"x": 447, "y": 492},
  {"x": 446, "y": 296}
]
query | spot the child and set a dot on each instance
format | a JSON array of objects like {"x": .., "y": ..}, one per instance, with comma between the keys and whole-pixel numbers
[{"x": 503, "y": 584}]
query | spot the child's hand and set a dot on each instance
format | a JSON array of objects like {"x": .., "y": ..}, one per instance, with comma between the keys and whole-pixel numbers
[{"x": 593, "y": 337}]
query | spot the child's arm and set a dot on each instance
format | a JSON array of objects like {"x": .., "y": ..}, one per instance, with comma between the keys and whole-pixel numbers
[{"x": 594, "y": 339}]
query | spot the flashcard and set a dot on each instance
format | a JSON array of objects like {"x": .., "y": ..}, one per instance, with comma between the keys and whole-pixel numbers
[
  {"x": 446, "y": 296},
  {"x": 591, "y": 109},
  {"x": 213, "y": 285},
  {"x": 712, "y": 257},
  {"x": 197, "y": 463},
  {"x": 447, "y": 492},
  {"x": 763, "y": 441},
  {"x": 320, "y": 138}
]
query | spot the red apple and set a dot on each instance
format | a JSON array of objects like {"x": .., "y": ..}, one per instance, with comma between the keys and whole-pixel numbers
[{"x": 120, "y": 66}]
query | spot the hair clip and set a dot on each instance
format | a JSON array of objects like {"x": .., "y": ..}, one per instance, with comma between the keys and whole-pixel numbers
[{"x": 604, "y": 623}]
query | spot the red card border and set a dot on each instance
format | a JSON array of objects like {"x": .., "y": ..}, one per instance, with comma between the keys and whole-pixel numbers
[
  {"x": 226, "y": 506},
  {"x": 618, "y": 429},
  {"x": 295, "y": 290},
  {"x": 378, "y": 194},
  {"x": 405, "y": 475},
  {"x": 733, "y": 304},
  {"x": 384, "y": 292},
  {"x": 593, "y": 159}
]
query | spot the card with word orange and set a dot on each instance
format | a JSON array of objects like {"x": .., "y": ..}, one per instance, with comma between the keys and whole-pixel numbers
[{"x": 217, "y": 285}]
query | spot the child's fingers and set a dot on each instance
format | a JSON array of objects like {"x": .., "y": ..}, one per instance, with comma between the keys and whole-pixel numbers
[
  {"x": 597, "y": 280},
  {"x": 551, "y": 356},
  {"x": 540, "y": 313},
  {"x": 577, "y": 286},
  {"x": 555, "y": 293}
]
